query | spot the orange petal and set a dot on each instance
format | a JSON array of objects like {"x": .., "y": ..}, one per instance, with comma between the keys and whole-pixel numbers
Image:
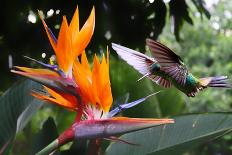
[
  {"x": 81, "y": 40},
  {"x": 39, "y": 75},
  {"x": 74, "y": 25},
  {"x": 71, "y": 43},
  {"x": 38, "y": 71},
  {"x": 85, "y": 62},
  {"x": 67, "y": 101},
  {"x": 141, "y": 120},
  {"x": 101, "y": 81},
  {"x": 62, "y": 47},
  {"x": 64, "y": 50},
  {"x": 64, "y": 98},
  {"x": 94, "y": 86},
  {"x": 104, "y": 85},
  {"x": 95, "y": 82},
  {"x": 48, "y": 78},
  {"x": 84, "y": 81}
]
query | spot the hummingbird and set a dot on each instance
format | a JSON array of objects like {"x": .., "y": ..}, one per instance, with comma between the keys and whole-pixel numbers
[{"x": 167, "y": 69}]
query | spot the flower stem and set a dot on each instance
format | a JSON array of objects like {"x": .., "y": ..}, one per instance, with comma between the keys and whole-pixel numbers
[
  {"x": 50, "y": 148},
  {"x": 65, "y": 137}
]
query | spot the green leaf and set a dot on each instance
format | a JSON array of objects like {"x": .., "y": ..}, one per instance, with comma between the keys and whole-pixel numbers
[
  {"x": 171, "y": 102},
  {"x": 187, "y": 132},
  {"x": 16, "y": 108},
  {"x": 45, "y": 136},
  {"x": 127, "y": 82}
]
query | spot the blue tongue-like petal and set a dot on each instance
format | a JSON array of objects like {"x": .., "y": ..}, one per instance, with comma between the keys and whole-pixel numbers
[
  {"x": 49, "y": 66},
  {"x": 121, "y": 107}
]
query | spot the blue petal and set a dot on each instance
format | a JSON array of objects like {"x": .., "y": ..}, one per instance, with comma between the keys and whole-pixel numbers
[
  {"x": 42, "y": 64},
  {"x": 51, "y": 67},
  {"x": 121, "y": 107},
  {"x": 52, "y": 35},
  {"x": 121, "y": 100}
]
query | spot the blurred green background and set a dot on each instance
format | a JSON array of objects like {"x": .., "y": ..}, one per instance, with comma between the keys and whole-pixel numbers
[{"x": 201, "y": 33}]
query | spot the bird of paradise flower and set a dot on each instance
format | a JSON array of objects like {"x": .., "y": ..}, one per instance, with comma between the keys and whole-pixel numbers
[{"x": 73, "y": 85}]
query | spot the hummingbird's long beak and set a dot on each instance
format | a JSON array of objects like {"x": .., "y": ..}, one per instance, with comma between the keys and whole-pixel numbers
[{"x": 145, "y": 75}]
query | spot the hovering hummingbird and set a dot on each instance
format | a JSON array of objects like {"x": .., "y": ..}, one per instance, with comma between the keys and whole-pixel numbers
[{"x": 166, "y": 69}]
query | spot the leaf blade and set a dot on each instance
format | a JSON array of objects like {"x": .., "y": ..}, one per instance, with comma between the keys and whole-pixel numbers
[
  {"x": 13, "y": 104},
  {"x": 188, "y": 131}
]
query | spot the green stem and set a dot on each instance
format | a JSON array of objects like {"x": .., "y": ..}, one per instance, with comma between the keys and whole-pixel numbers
[
  {"x": 50, "y": 148},
  {"x": 65, "y": 137}
]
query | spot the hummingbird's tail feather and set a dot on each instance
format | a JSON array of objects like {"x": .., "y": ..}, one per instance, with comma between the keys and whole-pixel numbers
[{"x": 217, "y": 81}]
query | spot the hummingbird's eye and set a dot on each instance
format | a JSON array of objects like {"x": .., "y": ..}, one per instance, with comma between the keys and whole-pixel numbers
[{"x": 155, "y": 67}]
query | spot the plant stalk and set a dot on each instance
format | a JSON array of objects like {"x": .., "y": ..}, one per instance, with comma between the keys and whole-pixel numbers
[
  {"x": 65, "y": 137},
  {"x": 49, "y": 148}
]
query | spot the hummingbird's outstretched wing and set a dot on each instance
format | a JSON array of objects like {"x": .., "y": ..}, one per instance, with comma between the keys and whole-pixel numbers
[
  {"x": 141, "y": 63},
  {"x": 170, "y": 63}
]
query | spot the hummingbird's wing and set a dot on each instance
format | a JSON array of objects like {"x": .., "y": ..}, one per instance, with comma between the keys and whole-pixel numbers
[
  {"x": 136, "y": 59},
  {"x": 170, "y": 63},
  {"x": 141, "y": 63}
]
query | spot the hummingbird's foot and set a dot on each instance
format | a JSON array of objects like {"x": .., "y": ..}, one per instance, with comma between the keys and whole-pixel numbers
[{"x": 192, "y": 94}]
